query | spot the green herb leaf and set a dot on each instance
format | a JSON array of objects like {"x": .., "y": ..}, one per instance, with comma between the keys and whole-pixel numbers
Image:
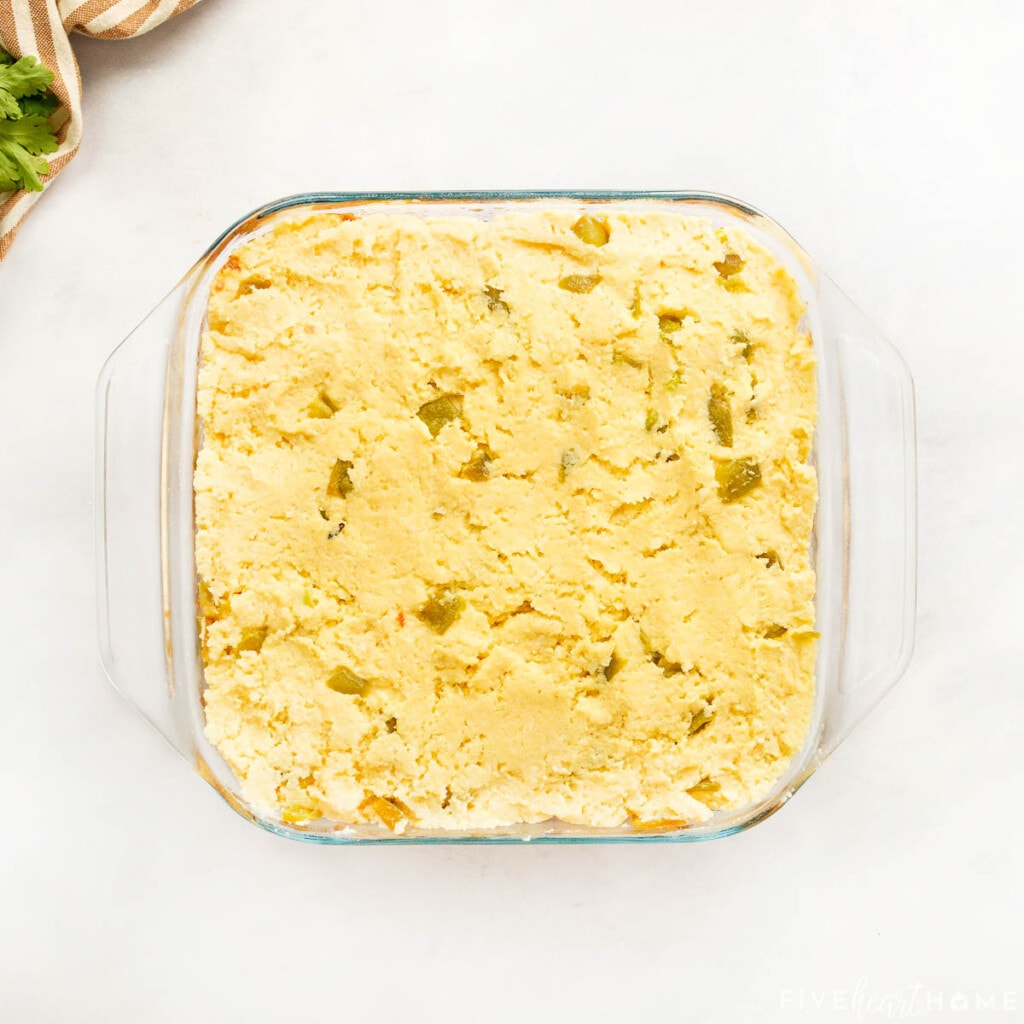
[
  {"x": 8, "y": 174},
  {"x": 25, "y": 77},
  {"x": 42, "y": 106},
  {"x": 9, "y": 106},
  {"x": 31, "y": 133},
  {"x": 25, "y": 131},
  {"x": 20, "y": 169}
]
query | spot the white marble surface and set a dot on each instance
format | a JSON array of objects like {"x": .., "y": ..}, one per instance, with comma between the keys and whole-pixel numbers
[{"x": 887, "y": 139}]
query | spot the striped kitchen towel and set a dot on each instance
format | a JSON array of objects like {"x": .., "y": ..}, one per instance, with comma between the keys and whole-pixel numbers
[{"x": 41, "y": 28}]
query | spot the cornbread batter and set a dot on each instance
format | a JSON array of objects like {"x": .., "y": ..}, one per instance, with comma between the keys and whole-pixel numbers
[{"x": 504, "y": 521}]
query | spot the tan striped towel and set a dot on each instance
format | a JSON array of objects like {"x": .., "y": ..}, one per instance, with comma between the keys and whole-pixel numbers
[{"x": 41, "y": 28}]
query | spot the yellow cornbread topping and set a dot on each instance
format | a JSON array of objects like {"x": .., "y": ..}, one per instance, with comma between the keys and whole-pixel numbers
[{"x": 502, "y": 521}]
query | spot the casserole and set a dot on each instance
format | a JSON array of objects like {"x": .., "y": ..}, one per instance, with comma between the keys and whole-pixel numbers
[{"x": 863, "y": 547}]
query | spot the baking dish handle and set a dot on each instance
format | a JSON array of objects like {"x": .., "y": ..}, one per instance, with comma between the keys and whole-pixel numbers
[
  {"x": 129, "y": 456},
  {"x": 880, "y": 515}
]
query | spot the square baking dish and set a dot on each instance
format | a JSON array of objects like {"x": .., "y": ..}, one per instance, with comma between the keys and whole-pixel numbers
[{"x": 863, "y": 546}]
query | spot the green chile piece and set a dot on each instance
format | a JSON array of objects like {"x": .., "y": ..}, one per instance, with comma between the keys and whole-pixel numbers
[
  {"x": 439, "y": 412},
  {"x": 614, "y": 666},
  {"x": 495, "y": 303},
  {"x": 729, "y": 264},
  {"x": 340, "y": 484},
  {"x": 737, "y": 478},
  {"x": 590, "y": 230},
  {"x": 580, "y": 283},
  {"x": 569, "y": 459},
  {"x": 478, "y": 468},
  {"x": 720, "y": 415},
  {"x": 701, "y": 720},
  {"x": 441, "y": 609},
  {"x": 344, "y": 680},
  {"x": 322, "y": 407},
  {"x": 252, "y": 638}
]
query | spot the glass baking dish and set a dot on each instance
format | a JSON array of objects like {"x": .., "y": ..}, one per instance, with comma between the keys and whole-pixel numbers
[{"x": 863, "y": 546}]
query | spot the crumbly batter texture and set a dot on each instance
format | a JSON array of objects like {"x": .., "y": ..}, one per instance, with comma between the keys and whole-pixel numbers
[{"x": 502, "y": 521}]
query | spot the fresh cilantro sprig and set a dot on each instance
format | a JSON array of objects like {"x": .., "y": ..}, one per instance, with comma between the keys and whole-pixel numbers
[{"x": 25, "y": 130}]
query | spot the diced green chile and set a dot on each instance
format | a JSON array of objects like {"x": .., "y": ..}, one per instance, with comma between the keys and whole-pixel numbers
[
  {"x": 209, "y": 606},
  {"x": 569, "y": 459},
  {"x": 729, "y": 264},
  {"x": 580, "y": 283},
  {"x": 340, "y": 484},
  {"x": 737, "y": 478},
  {"x": 720, "y": 415},
  {"x": 590, "y": 230},
  {"x": 322, "y": 407},
  {"x": 344, "y": 680},
  {"x": 668, "y": 668},
  {"x": 478, "y": 468},
  {"x": 626, "y": 359},
  {"x": 614, "y": 666},
  {"x": 441, "y": 609},
  {"x": 701, "y": 719},
  {"x": 746, "y": 345},
  {"x": 669, "y": 323},
  {"x": 495, "y": 303},
  {"x": 252, "y": 638},
  {"x": 705, "y": 790},
  {"x": 439, "y": 412}
]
